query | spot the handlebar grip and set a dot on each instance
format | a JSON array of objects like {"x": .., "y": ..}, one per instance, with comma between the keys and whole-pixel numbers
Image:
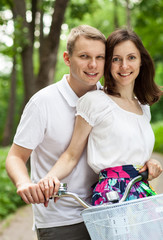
[{"x": 144, "y": 175}]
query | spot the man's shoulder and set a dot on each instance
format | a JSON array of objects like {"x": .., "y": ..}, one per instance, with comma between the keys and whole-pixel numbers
[
  {"x": 47, "y": 92},
  {"x": 49, "y": 88}
]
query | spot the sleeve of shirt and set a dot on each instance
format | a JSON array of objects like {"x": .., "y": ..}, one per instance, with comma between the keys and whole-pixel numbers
[
  {"x": 92, "y": 107},
  {"x": 147, "y": 112},
  {"x": 31, "y": 129}
]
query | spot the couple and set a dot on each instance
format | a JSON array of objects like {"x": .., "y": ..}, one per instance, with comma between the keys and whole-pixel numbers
[{"x": 113, "y": 116}]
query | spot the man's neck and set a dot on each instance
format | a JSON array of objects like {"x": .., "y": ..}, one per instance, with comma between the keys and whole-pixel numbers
[{"x": 80, "y": 89}]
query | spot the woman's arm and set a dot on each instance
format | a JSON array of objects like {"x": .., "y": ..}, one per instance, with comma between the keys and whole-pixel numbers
[
  {"x": 68, "y": 160},
  {"x": 154, "y": 168}
]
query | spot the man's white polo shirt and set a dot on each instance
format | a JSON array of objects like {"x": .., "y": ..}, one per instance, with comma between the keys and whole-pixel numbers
[{"x": 46, "y": 126}]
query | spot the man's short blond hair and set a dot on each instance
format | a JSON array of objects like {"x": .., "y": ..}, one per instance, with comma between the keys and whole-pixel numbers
[{"x": 85, "y": 31}]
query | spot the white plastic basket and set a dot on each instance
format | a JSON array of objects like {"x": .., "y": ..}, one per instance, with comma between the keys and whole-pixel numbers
[{"x": 140, "y": 219}]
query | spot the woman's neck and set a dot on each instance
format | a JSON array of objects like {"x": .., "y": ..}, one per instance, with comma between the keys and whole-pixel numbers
[{"x": 127, "y": 93}]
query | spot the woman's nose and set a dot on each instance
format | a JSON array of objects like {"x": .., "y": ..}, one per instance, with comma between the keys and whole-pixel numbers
[{"x": 124, "y": 63}]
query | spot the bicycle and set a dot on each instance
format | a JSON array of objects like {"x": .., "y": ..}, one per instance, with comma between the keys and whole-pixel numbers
[{"x": 139, "y": 219}]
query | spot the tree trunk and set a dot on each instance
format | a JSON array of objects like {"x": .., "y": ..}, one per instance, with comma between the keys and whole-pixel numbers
[
  {"x": 28, "y": 76},
  {"x": 27, "y": 49},
  {"x": 128, "y": 14},
  {"x": 116, "y": 24},
  {"x": 11, "y": 108},
  {"x": 41, "y": 37},
  {"x": 49, "y": 48},
  {"x": 24, "y": 38}
]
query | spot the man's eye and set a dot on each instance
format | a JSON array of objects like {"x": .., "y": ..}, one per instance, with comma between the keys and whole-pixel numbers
[
  {"x": 83, "y": 56},
  {"x": 100, "y": 57},
  {"x": 116, "y": 59}
]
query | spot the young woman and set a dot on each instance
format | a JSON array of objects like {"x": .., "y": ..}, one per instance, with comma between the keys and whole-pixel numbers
[{"x": 115, "y": 122}]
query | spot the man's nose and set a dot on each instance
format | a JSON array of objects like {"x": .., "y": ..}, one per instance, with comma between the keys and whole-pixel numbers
[{"x": 92, "y": 63}]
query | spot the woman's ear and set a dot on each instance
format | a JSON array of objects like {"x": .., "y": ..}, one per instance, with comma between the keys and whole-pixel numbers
[{"x": 66, "y": 58}]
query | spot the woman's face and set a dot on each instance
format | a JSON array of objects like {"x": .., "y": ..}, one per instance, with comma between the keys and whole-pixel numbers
[{"x": 126, "y": 63}]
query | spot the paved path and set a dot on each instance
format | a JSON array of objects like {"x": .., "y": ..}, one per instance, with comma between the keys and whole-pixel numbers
[{"x": 20, "y": 225}]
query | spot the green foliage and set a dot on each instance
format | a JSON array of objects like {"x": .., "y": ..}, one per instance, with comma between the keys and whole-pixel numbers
[
  {"x": 146, "y": 20},
  {"x": 157, "y": 111},
  {"x": 158, "y": 131},
  {"x": 9, "y": 200},
  {"x": 149, "y": 26},
  {"x": 157, "y": 108},
  {"x": 5, "y": 84},
  {"x": 78, "y": 9},
  {"x": 4, "y": 96},
  {"x": 61, "y": 67},
  {"x": 99, "y": 14},
  {"x": 159, "y": 73},
  {"x": 5, "y": 4},
  {"x": 20, "y": 34}
]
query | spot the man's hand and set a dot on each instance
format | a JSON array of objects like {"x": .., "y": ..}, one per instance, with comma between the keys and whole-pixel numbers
[
  {"x": 30, "y": 193},
  {"x": 154, "y": 168}
]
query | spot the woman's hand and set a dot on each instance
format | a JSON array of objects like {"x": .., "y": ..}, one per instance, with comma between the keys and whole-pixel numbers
[
  {"x": 154, "y": 168},
  {"x": 49, "y": 186}
]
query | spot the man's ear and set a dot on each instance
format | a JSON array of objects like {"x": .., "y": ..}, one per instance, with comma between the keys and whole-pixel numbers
[{"x": 66, "y": 58}]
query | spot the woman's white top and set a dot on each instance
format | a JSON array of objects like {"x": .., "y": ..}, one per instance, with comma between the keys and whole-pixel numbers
[{"x": 118, "y": 137}]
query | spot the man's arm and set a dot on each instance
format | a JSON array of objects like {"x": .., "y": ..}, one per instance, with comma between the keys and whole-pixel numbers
[{"x": 17, "y": 171}]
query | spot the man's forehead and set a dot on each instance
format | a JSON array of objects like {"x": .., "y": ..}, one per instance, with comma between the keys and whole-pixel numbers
[{"x": 85, "y": 43}]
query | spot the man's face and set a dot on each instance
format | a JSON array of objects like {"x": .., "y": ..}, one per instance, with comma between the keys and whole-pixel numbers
[{"x": 86, "y": 63}]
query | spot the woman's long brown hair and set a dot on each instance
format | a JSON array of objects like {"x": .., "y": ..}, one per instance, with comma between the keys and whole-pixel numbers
[{"x": 145, "y": 89}]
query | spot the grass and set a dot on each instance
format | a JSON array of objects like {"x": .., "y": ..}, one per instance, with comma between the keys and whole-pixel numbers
[
  {"x": 158, "y": 131},
  {"x": 9, "y": 200}
]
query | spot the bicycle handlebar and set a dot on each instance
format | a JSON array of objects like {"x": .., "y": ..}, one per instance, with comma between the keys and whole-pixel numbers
[{"x": 112, "y": 196}]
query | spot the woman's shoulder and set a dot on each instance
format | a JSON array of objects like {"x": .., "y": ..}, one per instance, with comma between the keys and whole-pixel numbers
[
  {"x": 93, "y": 93},
  {"x": 96, "y": 96},
  {"x": 94, "y": 106},
  {"x": 96, "y": 99},
  {"x": 146, "y": 111}
]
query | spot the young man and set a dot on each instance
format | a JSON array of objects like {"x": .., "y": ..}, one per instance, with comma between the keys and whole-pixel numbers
[{"x": 44, "y": 133}]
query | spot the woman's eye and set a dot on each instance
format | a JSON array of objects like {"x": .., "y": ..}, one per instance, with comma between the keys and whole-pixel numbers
[{"x": 132, "y": 57}]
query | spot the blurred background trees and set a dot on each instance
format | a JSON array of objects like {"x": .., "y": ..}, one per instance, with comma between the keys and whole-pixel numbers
[{"x": 33, "y": 38}]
